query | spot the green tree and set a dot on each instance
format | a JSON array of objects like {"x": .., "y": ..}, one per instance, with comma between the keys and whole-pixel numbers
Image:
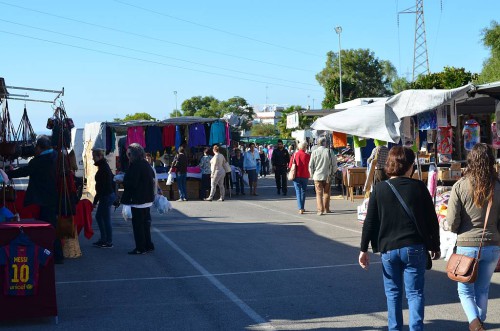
[
  {"x": 195, "y": 104},
  {"x": 400, "y": 84},
  {"x": 304, "y": 121},
  {"x": 136, "y": 116},
  {"x": 449, "y": 78},
  {"x": 240, "y": 107},
  {"x": 491, "y": 66},
  {"x": 175, "y": 113},
  {"x": 210, "y": 111},
  {"x": 363, "y": 75},
  {"x": 261, "y": 129}
]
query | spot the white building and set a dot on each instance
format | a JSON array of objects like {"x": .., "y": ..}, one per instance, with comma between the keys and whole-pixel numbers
[{"x": 268, "y": 114}]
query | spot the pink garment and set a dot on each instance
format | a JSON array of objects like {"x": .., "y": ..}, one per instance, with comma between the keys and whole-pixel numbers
[
  {"x": 135, "y": 134},
  {"x": 194, "y": 170},
  {"x": 228, "y": 137},
  {"x": 495, "y": 140},
  {"x": 432, "y": 182}
]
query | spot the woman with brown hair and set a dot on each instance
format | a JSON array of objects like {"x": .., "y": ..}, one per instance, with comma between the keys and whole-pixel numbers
[
  {"x": 217, "y": 175},
  {"x": 402, "y": 230},
  {"x": 466, "y": 216}
]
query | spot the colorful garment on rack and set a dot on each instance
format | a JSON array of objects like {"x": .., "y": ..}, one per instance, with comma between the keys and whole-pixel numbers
[
  {"x": 471, "y": 134},
  {"x": 22, "y": 259},
  {"x": 228, "y": 135},
  {"x": 427, "y": 120},
  {"x": 445, "y": 143},
  {"x": 339, "y": 139},
  {"x": 197, "y": 135},
  {"x": 379, "y": 142},
  {"x": 442, "y": 116},
  {"x": 358, "y": 142},
  {"x": 495, "y": 137},
  {"x": 168, "y": 136},
  {"x": 178, "y": 137},
  {"x": 217, "y": 133},
  {"x": 153, "y": 140},
  {"x": 135, "y": 134}
]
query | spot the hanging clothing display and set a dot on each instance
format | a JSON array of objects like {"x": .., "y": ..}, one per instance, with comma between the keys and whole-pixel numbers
[
  {"x": 135, "y": 134},
  {"x": 110, "y": 140},
  {"x": 444, "y": 143},
  {"x": 228, "y": 135},
  {"x": 453, "y": 114},
  {"x": 100, "y": 139},
  {"x": 197, "y": 135},
  {"x": 408, "y": 131},
  {"x": 217, "y": 133},
  {"x": 442, "y": 116},
  {"x": 379, "y": 142},
  {"x": 471, "y": 133},
  {"x": 339, "y": 139},
  {"x": 497, "y": 116},
  {"x": 427, "y": 120},
  {"x": 168, "y": 136},
  {"x": 495, "y": 137},
  {"x": 178, "y": 136},
  {"x": 154, "y": 139}
]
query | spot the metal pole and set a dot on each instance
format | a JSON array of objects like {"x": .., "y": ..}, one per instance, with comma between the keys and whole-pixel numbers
[
  {"x": 176, "y": 112},
  {"x": 338, "y": 29}
]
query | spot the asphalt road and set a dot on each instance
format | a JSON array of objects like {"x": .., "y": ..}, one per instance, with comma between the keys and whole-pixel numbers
[{"x": 248, "y": 263}]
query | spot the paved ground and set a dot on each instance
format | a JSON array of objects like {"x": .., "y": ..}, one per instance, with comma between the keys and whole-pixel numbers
[{"x": 250, "y": 263}]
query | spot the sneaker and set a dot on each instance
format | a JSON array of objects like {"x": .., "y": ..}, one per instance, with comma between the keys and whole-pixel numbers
[
  {"x": 220, "y": 199},
  {"x": 284, "y": 193},
  {"x": 319, "y": 213},
  {"x": 106, "y": 245},
  {"x": 149, "y": 250},
  {"x": 301, "y": 211},
  {"x": 207, "y": 199},
  {"x": 184, "y": 199},
  {"x": 278, "y": 192},
  {"x": 98, "y": 243},
  {"x": 180, "y": 200},
  {"x": 136, "y": 252}
]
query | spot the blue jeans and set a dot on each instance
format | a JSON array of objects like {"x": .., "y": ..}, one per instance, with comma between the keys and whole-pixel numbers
[
  {"x": 474, "y": 297},
  {"x": 300, "y": 185},
  {"x": 405, "y": 265},
  {"x": 103, "y": 217},
  {"x": 181, "y": 184}
]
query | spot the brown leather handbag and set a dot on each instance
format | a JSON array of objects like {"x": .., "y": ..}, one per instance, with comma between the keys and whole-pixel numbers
[{"x": 463, "y": 268}]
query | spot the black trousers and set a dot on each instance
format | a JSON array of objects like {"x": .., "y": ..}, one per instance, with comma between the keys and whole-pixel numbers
[
  {"x": 281, "y": 180},
  {"x": 141, "y": 224}
]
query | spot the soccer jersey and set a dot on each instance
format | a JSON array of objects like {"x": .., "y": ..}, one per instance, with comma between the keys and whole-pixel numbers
[{"x": 22, "y": 259}]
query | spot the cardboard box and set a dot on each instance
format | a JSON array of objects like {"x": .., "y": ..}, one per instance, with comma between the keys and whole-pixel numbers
[
  {"x": 455, "y": 166},
  {"x": 456, "y": 174},
  {"x": 444, "y": 174}
]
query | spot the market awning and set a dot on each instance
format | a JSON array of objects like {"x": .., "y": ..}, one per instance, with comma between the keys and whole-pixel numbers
[{"x": 382, "y": 119}]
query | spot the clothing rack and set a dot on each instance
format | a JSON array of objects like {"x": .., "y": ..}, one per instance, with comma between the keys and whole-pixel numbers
[{"x": 4, "y": 94}]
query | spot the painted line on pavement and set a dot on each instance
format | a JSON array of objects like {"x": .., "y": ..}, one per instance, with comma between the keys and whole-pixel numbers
[
  {"x": 221, "y": 287},
  {"x": 215, "y": 275},
  {"x": 301, "y": 217}
]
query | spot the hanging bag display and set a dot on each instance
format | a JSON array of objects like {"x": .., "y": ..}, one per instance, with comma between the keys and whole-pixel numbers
[
  {"x": 26, "y": 136},
  {"x": 293, "y": 170},
  {"x": 463, "y": 268},
  {"x": 9, "y": 148},
  {"x": 8, "y": 193}
]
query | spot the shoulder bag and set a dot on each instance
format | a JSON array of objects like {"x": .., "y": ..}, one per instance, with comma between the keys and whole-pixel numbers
[
  {"x": 226, "y": 166},
  {"x": 428, "y": 264},
  {"x": 293, "y": 170},
  {"x": 463, "y": 268}
]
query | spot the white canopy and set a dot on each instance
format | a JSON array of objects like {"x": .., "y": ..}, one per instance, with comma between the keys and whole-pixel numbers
[{"x": 382, "y": 119}]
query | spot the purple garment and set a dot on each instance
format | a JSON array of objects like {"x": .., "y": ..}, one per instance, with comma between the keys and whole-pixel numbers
[{"x": 197, "y": 135}]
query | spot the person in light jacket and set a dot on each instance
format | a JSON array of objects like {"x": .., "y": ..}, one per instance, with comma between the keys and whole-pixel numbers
[
  {"x": 322, "y": 167},
  {"x": 218, "y": 174},
  {"x": 466, "y": 216},
  {"x": 250, "y": 166}
]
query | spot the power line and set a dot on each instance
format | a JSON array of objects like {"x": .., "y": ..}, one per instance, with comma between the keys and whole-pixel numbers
[
  {"x": 155, "y": 54},
  {"x": 215, "y": 29},
  {"x": 152, "y": 38},
  {"x": 153, "y": 62}
]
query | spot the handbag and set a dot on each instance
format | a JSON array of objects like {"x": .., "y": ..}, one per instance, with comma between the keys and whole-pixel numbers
[
  {"x": 293, "y": 170},
  {"x": 428, "y": 264},
  {"x": 8, "y": 193},
  {"x": 463, "y": 268},
  {"x": 65, "y": 227},
  {"x": 226, "y": 166}
]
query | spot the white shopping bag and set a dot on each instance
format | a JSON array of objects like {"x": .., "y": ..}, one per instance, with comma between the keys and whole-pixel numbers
[{"x": 127, "y": 212}]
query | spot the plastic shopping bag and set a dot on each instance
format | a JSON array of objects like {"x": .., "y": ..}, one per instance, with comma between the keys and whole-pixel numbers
[
  {"x": 170, "y": 179},
  {"x": 162, "y": 204},
  {"x": 127, "y": 212}
]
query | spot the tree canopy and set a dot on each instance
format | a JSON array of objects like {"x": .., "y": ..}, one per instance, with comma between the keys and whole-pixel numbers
[
  {"x": 363, "y": 75},
  {"x": 491, "y": 66},
  {"x": 198, "y": 104},
  {"x": 136, "y": 116},
  {"x": 449, "y": 78},
  {"x": 261, "y": 129}
]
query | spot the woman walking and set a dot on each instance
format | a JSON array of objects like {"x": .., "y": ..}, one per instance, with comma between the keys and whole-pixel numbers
[
  {"x": 402, "y": 237},
  {"x": 205, "y": 172},
  {"x": 104, "y": 198},
  {"x": 466, "y": 215},
  {"x": 301, "y": 161},
  {"x": 139, "y": 193},
  {"x": 218, "y": 174},
  {"x": 180, "y": 163}
]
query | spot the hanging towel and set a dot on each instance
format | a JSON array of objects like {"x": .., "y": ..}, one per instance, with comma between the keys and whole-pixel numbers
[
  {"x": 168, "y": 136},
  {"x": 495, "y": 137},
  {"x": 497, "y": 116},
  {"x": 178, "y": 137},
  {"x": 471, "y": 133},
  {"x": 217, "y": 133},
  {"x": 135, "y": 134},
  {"x": 442, "y": 116},
  {"x": 228, "y": 135},
  {"x": 444, "y": 143},
  {"x": 379, "y": 142},
  {"x": 100, "y": 139},
  {"x": 197, "y": 135},
  {"x": 427, "y": 120},
  {"x": 339, "y": 139},
  {"x": 153, "y": 140},
  {"x": 358, "y": 142},
  {"x": 453, "y": 114}
]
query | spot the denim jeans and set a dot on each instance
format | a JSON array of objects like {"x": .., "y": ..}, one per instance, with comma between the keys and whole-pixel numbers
[
  {"x": 300, "y": 185},
  {"x": 103, "y": 217},
  {"x": 181, "y": 184},
  {"x": 474, "y": 297},
  {"x": 405, "y": 265},
  {"x": 240, "y": 184}
]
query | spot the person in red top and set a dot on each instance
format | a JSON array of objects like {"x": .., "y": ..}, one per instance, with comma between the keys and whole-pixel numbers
[{"x": 301, "y": 160}]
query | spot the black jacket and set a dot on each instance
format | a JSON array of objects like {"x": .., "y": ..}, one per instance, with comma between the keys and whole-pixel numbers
[
  {"x": 138, "y": 184},
  {"x": 387, "y": 226},
  {"x": 280, "y": 158},
  {"x": 42, "y": 180},
  {"x": 181, "y": 163},
  {"x": 104, "y": 184}
]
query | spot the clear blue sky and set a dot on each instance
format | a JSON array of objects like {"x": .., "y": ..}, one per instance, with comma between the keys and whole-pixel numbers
[{"x": 124, "y": 59}]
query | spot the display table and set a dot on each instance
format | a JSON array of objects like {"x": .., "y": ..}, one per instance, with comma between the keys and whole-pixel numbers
[{"x": 43, "y": 303}]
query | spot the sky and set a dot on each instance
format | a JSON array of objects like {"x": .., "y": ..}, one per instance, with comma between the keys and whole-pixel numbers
[{"x": 118, "y": 57}]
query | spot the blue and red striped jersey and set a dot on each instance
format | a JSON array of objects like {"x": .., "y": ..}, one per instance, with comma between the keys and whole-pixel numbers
[{"x": 22, "y": 259}]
